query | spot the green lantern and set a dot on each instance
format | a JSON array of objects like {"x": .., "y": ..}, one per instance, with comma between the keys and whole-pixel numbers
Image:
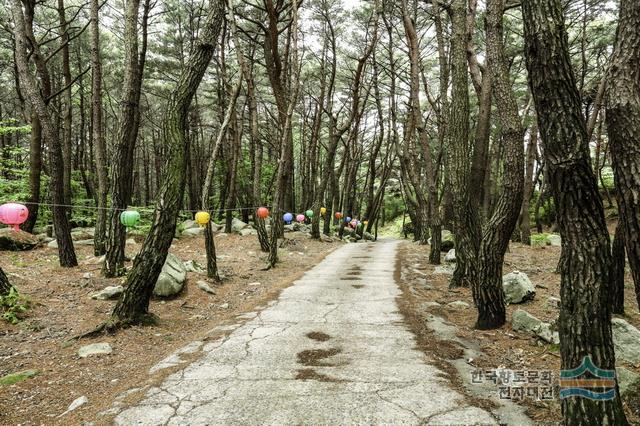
[
  {"x": 309, "y": 213},
  {"x": 129, "y": 218}
]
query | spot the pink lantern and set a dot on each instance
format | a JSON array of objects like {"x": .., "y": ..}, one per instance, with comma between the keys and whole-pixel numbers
[
  {"x": 300, "y": 218},
  {"x": 13, "y": 214},
  {"x": 354, "y": 223}
]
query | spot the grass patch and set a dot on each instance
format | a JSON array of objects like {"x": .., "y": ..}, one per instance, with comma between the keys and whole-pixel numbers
[{"x": 11, "y": 379}]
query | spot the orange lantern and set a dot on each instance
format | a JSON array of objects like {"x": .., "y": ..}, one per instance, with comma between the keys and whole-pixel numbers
[
  {"x": 338, "y": 215},
  {"x": 263, "y": 212}
]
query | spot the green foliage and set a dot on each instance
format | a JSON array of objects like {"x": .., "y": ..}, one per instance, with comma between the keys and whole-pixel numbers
[
  {"x": 539, "y": 239},
  {"x": 14, "y": 378},
  {"x": 13, "y": 305},
  {"x": 8, "y": 127}
]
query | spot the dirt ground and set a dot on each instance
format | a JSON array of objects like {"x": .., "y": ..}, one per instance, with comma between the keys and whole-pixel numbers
[
  {"x": 61, "y": 308},
  {"x": 502, "y": 348}
]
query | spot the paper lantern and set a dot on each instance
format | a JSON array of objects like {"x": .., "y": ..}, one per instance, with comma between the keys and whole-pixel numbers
[
  {"x": 263, "y": 212},
  {"x": 129, "y": 218},
  {"x": 338, "y": 215},
  {"x": 353, "y": 223},
  {"x": 202, "y": 218},
  {"x": 288, "y": 218},
  {"x": 347, "y": 219},
  {"x": 300, "y": 218},
  {"x": 13, "y": 214},
  {"x": 309, "y": 213},
  {"x": 323, "y": 211}
]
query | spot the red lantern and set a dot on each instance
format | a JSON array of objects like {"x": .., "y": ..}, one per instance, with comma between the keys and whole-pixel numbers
[
  {"x": 263, "y": 212},
  {"x": 338, "y": 215}
]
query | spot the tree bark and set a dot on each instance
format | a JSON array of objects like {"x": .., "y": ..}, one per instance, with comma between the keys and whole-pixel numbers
[
  {"x": 35, "y": 172},
  {"x": 623, "y": 126},
  {"x": 132, "y": 308},
  {"x": 97, "y": 135},
  {"x": 487, "y": 291},
  {"x": 66, "y": 252},
  {"x": 67, "y": 105},
  {"x": 585, "y": 311},
  {"x": 529, "y": 183},
  {"x": 617, "y": 271}
]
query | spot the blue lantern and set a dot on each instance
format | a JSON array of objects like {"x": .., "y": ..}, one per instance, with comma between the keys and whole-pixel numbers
[
  {"x": 288, "y": 218},
  {"x": 347, "y": 219}
]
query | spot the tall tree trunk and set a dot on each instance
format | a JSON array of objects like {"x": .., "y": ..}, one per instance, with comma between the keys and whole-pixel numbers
[
  {"x": 133, "y": 305},
  {"x": 617, "y": 270},
  {"x": 623, "y": 126},
  {"x": 66, "y": 252},
  {"x": 488, "y": 293},
  {"x": 35, "y": 172},
  {"x": 585, "y": 311},
  {"x": 125, "y": 138},
  {"x": 529, "y": 183},
  {"x": 67, "y": 105},
  {"x": 465, "y": 220},
  {"x": 97, "y": 135}
]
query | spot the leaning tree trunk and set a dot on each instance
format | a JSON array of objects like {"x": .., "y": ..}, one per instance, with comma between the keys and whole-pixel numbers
[
  {"x": 623, "y": 125},
  {"x": 133, "y": 306},
  {"x": 465, "y": 220},
  {"x": 617, "y": 271},
  {"x": 66, "y": 252},
  {"x": 585, "y": 311},
  {"x": 5, "y": 285},
  {"x": 488, "y": 293}
]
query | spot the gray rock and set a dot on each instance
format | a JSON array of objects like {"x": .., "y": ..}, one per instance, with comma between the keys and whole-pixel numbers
[
  {"x": 451, "y": 256},
  {"x": 368, "y": 236},
  {"x": 237, "y": 225},
  {"x": 459, "y": 304},
  {"x": 52, "y": 244},
  {"x": 172, "y": 278},
  {"x": 248, "y": 231},
  {"x": 224, "y": 306},
  {"x": 554, "y": 240},
  {"x": 107, "y": 293},
  {"x": 524, "y": 321},
  {"x": 193, "y": 232},
  {"x": 83, "y": 243},
  {"x": 626, "y": 340},
  {"x": 202, "y": 285},
  {"x": 627, "y": 380},
  {"x": 17, "y": 240},
  {"x": 426, "y": 305},
  {"x": 288, "y": 228},
  {"x": 193, "y": 266},
  {"x": 325, "y": 238},
  {"x": 189, "y": 224},
  {"x": 131, "y": 242},
  {"x": 79, "y": 234},
  {"x": 518, "y": 287},
  {"x": 95, "y": 349},
  {"x": 77, "y": 403}
]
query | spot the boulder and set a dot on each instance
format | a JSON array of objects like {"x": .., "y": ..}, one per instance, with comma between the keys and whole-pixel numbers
[
  {"x": 172, "y": 278},
  {"x": 524, "y": 321},
  {"x": 83, "y": 242},
  {"x": 17, "y": 240},
  {"x": 443, "y": 270},
  {"x": 193, "y": 266},
  {"x": 451, "y": 256},
  {"x": 95, "y": 349},
  {"x": 368, "y": 236},
  {"x": 202, "y": 285},
  {"x": 248, "y": 231},
  {"x": 189, "y": 224},
  {"x": 289, "y": 228},
  {"x": 325, "y": 238},
  {"x": 107, "y": 293},
  {"x": 627, "y": 380},
  {"x": 554, "y": 240},
  {"x": 79, "y": 234},
  {"x": 237, "y": 225},
  {"x": 518, "y": 287},
  {"x": 301, "y": 227},
  {"x": 193, "y": 232},
  {"x": 626, "y": 341}
]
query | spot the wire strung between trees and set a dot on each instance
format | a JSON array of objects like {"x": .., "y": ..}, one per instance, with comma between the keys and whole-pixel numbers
[{"x": 143, "y": 209}]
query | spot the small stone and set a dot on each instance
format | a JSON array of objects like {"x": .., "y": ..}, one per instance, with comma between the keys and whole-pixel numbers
[
  {"x": 430, "y": 305},
  {"x": 443, "y": 270},
  {"x": 79, "y": 402},
  {"x": 554, "y": 240},
  {"x": 111, "y": 292},
  {"x": 247, "y": 231},
  {"x": 224, "y": 306},
  {"x": 451, "y": 256},
  {"x": 459, "y": 304},
  {"x": 553, "y": 302},
  {"x": 202, "y": 285},
  {"x": 193, "y": 266},
  {"x": 131, "y": 242},
  {"x": 87, "y": 275},
  {"x": 95, "y": 349},
  {"x": 254, "y": 284}
]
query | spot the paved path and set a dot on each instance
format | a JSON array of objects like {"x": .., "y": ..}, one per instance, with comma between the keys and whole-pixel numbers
[{"x": 358, "y": 366}]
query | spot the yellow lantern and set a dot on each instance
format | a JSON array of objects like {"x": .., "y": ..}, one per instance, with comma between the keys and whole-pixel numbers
[
  {"x": 323, "y": 210},
  {"x": 202, "y": 218}
]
